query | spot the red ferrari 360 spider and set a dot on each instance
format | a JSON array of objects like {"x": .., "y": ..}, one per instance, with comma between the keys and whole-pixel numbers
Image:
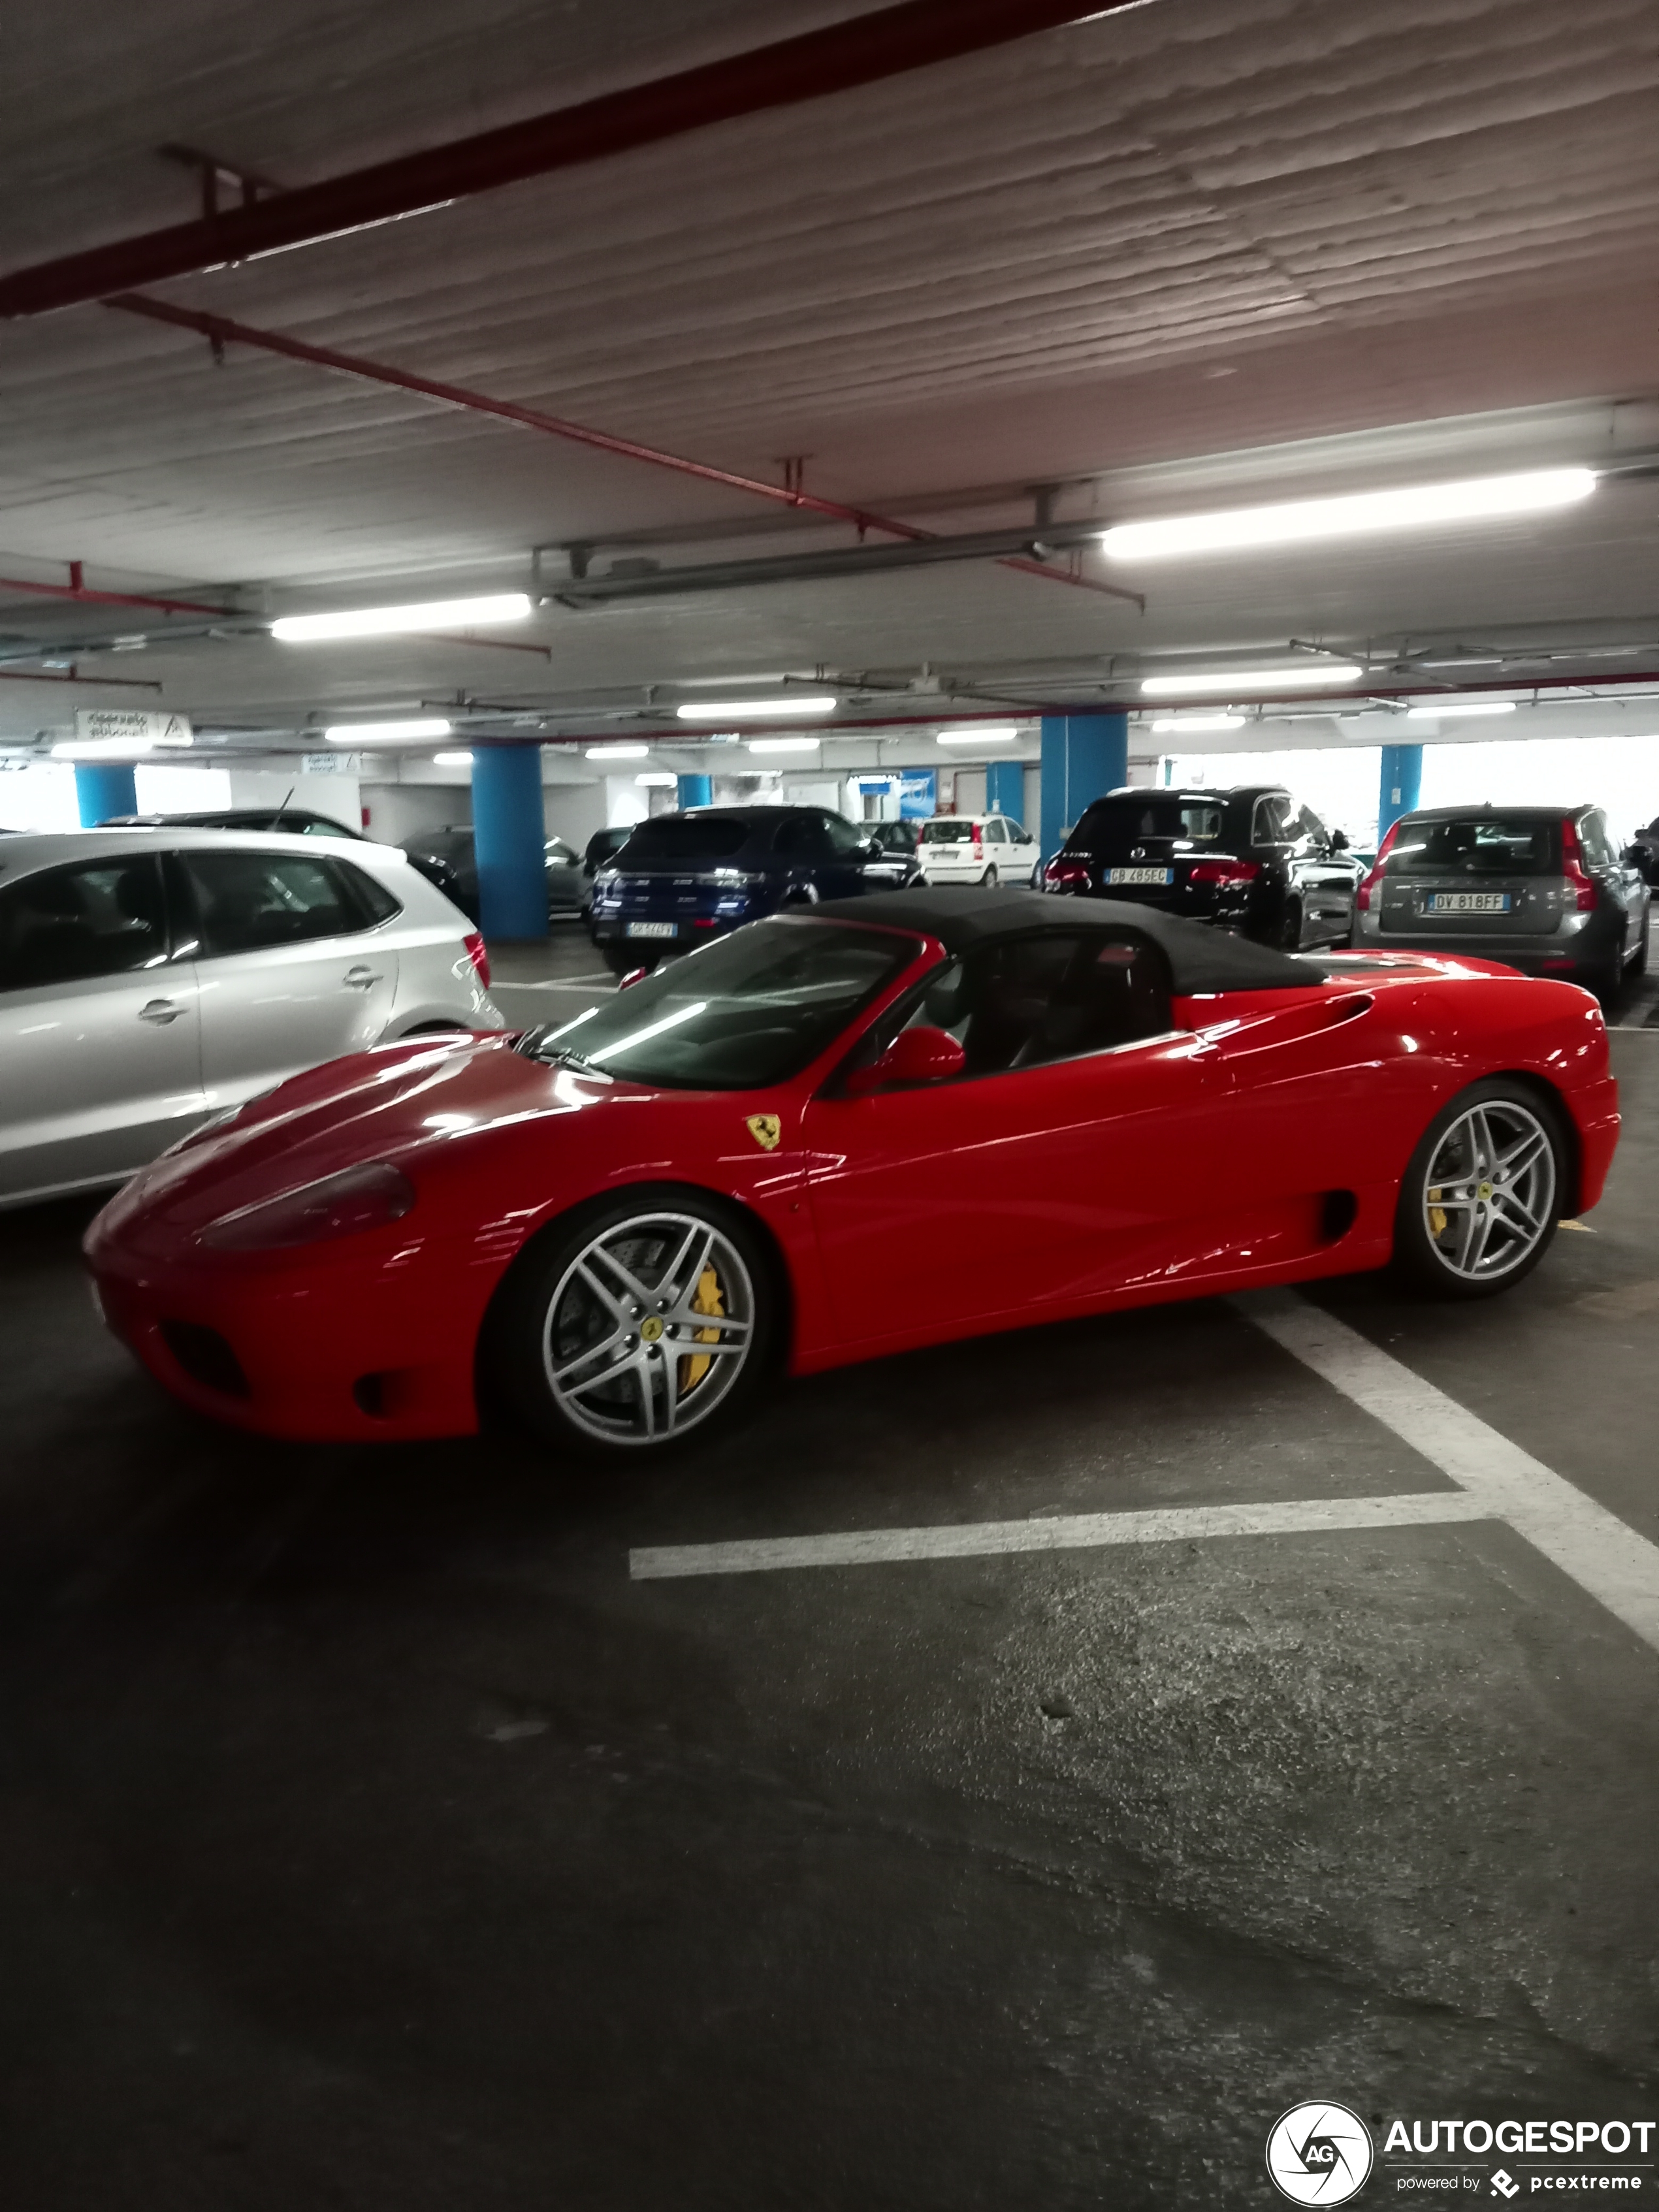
[{"x": 878, "y": 1124}]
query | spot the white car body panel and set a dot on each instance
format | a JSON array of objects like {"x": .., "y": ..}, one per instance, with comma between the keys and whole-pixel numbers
[{"x": 100, "y": 1074}]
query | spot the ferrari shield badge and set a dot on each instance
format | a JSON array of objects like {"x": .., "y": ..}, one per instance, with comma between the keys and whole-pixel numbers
[{"x": 766, "y": 1129}]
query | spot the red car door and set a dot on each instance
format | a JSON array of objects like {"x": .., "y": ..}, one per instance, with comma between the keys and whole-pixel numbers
[{"x": 1048, "y": 1182}]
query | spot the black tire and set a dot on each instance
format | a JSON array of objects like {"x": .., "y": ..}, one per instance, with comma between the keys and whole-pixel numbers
[
  {"x": 987, "y": 882},
  {"x": 1639, "y": 965},
  {"x": 1288, "y": 936},
  {"x": 1606, "y": 978},
  {"x": 1426, "y": 1257},
  {"x": 564, "y": 1313},
  {"x": 624, "y": 959}
]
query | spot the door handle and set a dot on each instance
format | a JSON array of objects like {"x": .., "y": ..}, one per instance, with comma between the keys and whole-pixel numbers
[
  {"x": 360, "y": 979},
  {"x": 159, "y": 1010}
]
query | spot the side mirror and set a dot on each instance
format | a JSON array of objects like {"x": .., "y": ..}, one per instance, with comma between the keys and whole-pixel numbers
[
  {"x": 1339, "y": 841},
  {"x": 915, "y": 1056}
]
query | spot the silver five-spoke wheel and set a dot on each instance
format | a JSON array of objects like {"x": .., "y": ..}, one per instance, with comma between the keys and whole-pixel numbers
[
  {"x": 649, "y": 1328},
  {"x": 1480, "y": 1200}
]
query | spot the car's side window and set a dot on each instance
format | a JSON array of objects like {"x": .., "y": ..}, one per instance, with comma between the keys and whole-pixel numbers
[
  {"x": 846, "y": 843},
  {"x": 994, "y": 830},
  {"x": 253, "y": 902},
  {"x": 371, "y": 894},
  {"x": 1029, "y": 1000},
  {"x": 802, "y": 838},
  {"x": 1309, "y": 831},
  {"x": 92, "y": 918},
  {"x": 1017, "y": 833},
  {"x": 1593, "y": 834},
  {"x": 1272, "y": 825}
]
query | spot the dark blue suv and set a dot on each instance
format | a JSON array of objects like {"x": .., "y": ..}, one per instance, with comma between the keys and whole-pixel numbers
[{"x": 682, "y": 879}]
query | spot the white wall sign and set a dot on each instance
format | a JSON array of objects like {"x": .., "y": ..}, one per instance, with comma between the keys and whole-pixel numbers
[
  {"x": 134, "y": 726},
  {"x": 331, "y": 763}
]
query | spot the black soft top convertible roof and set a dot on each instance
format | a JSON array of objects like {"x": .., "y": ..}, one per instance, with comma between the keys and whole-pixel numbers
[{"x": 1200, "y": 958}]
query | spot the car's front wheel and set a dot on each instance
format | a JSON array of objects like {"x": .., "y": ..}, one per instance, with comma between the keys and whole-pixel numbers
[
  {"x": 639, "y": 1323},
  {"x": 1480, "y": 1200}
]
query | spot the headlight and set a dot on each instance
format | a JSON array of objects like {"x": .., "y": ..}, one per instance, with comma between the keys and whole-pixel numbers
[{"x": 344, "y": 1204}]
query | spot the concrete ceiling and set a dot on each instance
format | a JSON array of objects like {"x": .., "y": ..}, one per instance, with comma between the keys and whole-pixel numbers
[{"x": 1206, "y": 252}]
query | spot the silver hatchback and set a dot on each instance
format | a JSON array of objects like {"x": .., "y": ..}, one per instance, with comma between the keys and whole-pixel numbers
[{"x": 149, "y": 978}]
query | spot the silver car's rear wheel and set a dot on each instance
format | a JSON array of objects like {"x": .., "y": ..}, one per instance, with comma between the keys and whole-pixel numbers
[{"x": 1481, "y": 1199}]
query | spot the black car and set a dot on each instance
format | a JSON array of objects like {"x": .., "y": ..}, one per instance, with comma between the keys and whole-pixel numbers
[
  {"x": 289, "y": 821},
  {"x": 1643, "y": 854},
  {"x": 683, "y": 878},
  {"x": 1250, "y": 859},
  {"x": 447, "y": 858},
  {"x": 899, "y": 866}
]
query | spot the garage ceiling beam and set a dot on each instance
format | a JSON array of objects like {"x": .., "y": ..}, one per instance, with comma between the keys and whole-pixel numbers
[
  {"x": 220, "y": 330},
  {"x": 865, "y": 50}
]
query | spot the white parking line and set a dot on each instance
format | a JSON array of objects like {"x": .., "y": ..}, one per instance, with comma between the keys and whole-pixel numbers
[
  {"x": 1060, "y": 1532},
  {"x": 1602, "y": 1553}
]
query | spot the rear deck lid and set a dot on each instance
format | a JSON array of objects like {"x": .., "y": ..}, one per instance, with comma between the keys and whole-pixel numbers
[{"x": 1479, "y": 874}]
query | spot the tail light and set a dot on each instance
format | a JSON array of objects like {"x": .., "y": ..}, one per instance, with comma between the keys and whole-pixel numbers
[
  {"x": 1572, "y": 868},
  {"x": 1362, "y": 897},
  {"x": 1226, "y": 874},
  {"x": 1064, "y": 874},
  {"x": 368, "y": 1197},
  {"x": 477, "y": 954},
  {"x": 978, "y": 840}
]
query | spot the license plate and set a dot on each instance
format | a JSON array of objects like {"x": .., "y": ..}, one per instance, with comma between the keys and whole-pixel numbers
[
  {"x": 1140, "y": 875},
  {"x": 1467, "y": 902},
  {"x": 653, "y": 929}
]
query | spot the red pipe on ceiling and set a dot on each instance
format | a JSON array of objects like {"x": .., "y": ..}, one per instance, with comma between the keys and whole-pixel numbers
[
  {"x": 220, "y": 331},
  {"x": 862, "y": 50},
  {"x": 76, "y": 590}
]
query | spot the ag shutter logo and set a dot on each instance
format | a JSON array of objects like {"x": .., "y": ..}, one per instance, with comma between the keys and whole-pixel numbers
[{"x": 1319, "y": 2154}]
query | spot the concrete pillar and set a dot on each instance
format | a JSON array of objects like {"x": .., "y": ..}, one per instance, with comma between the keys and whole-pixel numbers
[
  {"x": 1083, "y": 757},
  {"x": 1005, "y": 788},
  {"x": 696, "y": 790},
  {"x": 509, "y": 835},
  {"x": 1400, "y": 786},
  {"x": 103, "y": 788}
]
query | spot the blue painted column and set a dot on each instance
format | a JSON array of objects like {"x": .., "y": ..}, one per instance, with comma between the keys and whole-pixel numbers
[
  {"x": 509, "y": 836},
  {"x": 103, "y": 788},
  {"x": 1005, "y": 788},
  {"x": 696, "y": 790},
  {"x": 1400, "y": 786},
  {"x": 1083, "y": 757}
]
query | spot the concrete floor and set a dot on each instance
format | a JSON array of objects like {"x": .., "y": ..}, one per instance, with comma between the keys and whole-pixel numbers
[{"x": 368, "y": 1839}]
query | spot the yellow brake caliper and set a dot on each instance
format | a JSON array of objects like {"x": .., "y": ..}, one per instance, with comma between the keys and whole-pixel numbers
[
  {"x": 1437, "y": 1216},
  {"x": 695, "y": 1365}
]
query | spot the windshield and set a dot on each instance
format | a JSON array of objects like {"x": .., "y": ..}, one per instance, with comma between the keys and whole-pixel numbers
[
  {"x": 1479, "y": 845},
  {"x": 949, "y": 833},
  {"x": 679, "y": 837},
  {"x": 1108, "y": 830},
  {"x": 753, "y": 1008}
]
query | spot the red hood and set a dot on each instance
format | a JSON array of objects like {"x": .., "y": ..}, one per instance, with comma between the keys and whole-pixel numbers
[{"x": 415, "y": 1104}]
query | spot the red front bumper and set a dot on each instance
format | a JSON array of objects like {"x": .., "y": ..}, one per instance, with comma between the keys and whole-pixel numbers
[{"x": 354, "y": 1350}]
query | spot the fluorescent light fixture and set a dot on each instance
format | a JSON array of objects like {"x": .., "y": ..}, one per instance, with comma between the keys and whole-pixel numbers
[
  {"x": 388, "y": 622},
  {"x": 783, "y": 744},
  {"x": 1460, "y": 706},
  {"x": 1304, "y": 521},
  {"x": 993, "y": 733},
  {"x": 1175, "y": 723},
  {"x": 451, "y": 760},
  {"x": 619, "y": 752},
  {"x": 97, "y": 749},
  {"x": 756, "y": 710},
  {"x": 657, "y": 778},
  {"x": 386, "y": 733},
  {"x": 1246, "y": 683}
]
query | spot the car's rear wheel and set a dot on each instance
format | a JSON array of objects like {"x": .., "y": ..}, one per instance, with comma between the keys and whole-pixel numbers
[
  {"x": 989, "y": 880},
  {"x": 1478, "y": 1204},
  {"x": 1290, "y": 927},
  {"x": 639, "y": 1325},
  {"x": 1639, "y": 966}
]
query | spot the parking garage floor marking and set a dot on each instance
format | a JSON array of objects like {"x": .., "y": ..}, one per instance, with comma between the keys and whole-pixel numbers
[
  {"x": 1058, "y": 1532},
  {"x": 1602, "y": 1553}
]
